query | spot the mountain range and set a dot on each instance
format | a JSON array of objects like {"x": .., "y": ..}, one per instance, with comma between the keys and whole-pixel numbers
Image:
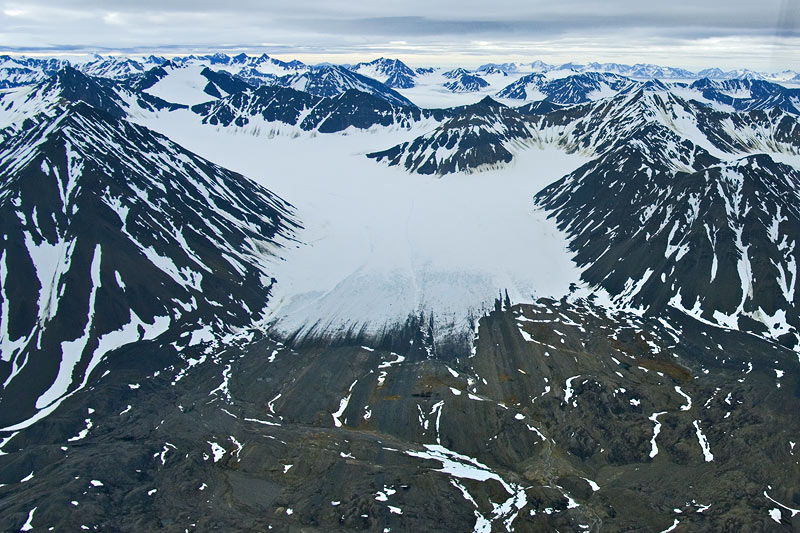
[{"x": 579, "y": 290}]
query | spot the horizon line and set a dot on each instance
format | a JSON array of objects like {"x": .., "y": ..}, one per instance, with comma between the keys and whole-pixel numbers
[{"x": 312, "y": 58}]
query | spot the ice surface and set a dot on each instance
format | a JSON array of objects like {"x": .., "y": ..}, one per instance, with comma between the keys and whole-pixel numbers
[
  {"x": 382, "y": 244},
  {"x": 429, "y": 90},
  {"x": 183, "y": 86}
]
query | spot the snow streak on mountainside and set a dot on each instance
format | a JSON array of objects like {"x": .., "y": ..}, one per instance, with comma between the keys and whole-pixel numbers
[
  {"x": 744, "y": 95},
  {"x": 113, "y": 234},
  {"x": 675, "y": 168},
  {"x": 47, "y": 96}
]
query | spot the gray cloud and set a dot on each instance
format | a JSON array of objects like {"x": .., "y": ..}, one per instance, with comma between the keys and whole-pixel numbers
[
  {"x": 668, "y": 25},
  {"x": 693, "y": 31}
]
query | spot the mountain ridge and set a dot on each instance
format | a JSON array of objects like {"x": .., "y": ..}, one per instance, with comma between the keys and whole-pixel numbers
[{"x": 147, "y": 277}]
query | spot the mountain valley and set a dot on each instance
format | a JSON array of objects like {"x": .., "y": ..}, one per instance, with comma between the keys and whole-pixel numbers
[{"x": 245, "y": 294}]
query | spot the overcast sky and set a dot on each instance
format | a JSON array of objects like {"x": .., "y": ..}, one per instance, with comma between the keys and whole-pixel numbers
[{"x": 757, "y": 34}]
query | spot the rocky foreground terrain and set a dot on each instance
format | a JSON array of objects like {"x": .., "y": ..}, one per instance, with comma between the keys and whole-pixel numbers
[{"x": 560, "y": 417}]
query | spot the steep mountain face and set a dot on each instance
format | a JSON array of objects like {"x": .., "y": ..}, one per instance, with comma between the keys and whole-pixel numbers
[
  {"x": 743, "y": 73},
  {"x": 773, "y": 131},
  {"x": 464, "y": 81},
  {"x": 594, "y": 128},
  {"x": 575, "y": 89},
  {"x": 526, "y": 88},
  {"x": 391, "y": 72},
  {"x": 45, "y": 97},
  {"x": 488, "y": 133},
  {"x": 332, "y": 80},
  {"x": 584, "y": 87},
  {"x": 112, "y": 235},
  {"x": 700, "y": 203},
  {"x": 221, "y": 83},
  {"x": 672, "y": 130},
  {"x": 540, "y": 107},
  {"x": 718, "y": 242},
  {"x": 262, "y": 108},
  {"x": 455, "y": 73},
  {"x": 713, "y": 73},
  {"x": 255, "y": 78},
  {"x": 477, "y": 137},
  {"x": 508, "y": 68}
]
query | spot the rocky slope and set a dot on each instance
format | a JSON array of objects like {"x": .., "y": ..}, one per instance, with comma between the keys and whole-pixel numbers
[
  {"x": 563, "y": 417},
  {"x": 477, "y": 136},
  {"x": 113, "y": 234}
]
